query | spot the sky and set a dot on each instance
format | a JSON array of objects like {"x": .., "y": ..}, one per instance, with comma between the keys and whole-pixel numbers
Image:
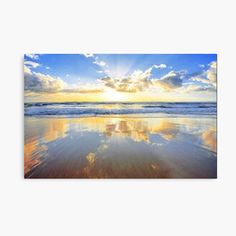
[{"x": 120, "y": 77}]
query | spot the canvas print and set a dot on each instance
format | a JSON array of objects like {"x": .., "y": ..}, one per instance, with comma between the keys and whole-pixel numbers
[{"x": 120, "y": 115}]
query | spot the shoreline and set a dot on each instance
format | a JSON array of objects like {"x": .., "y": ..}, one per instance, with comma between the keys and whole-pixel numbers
[{"x": 137, "y": 115}]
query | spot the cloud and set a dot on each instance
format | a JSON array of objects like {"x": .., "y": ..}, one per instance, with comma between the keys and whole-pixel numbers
[
  {"x": 96, "y": 61},
  {"x": 211, "y": 73},
  {"x": 201, "y": 80},
  {"x": 41, "y": 83},
  {"x": 171, "y": 81},
  {"x": 206, "y": 80},
  {"x": 206, "y": 76},
  {"x": 149, "y": 70},
  {"x": 88, "y": 55},
  {"x": 100, "y": 63},
  {"x": 161, "y": 66},
  {"x": 198, "y": 88},
  {"x": 109, "y": 82},
  {"x": 32, "y": 64},
  {"x": 27, "y": 70},
  {"x": 82, "y": 90},
  {"x": 37, "y": 82},
  {"x": 105, "y": 68},
  {"x": 141, "y": 80},
  {"x": 32, "y": 56},
  {"x": 132, "y": 85},
  {"x": 137, "y": 81}
]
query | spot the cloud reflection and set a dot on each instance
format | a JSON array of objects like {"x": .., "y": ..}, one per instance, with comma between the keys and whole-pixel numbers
[
  {"x": 209, "y": 139},
  {"x": 37, "y": 135},
  {"x": 102, "y": 146},
  {"x": 138, "y": 129}
]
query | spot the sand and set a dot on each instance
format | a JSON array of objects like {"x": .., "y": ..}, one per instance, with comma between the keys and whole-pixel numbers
[{"x": 120, "y": 147}]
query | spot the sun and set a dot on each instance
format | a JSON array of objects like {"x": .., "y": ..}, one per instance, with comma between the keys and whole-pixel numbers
[{"x": 113, "y": 96}]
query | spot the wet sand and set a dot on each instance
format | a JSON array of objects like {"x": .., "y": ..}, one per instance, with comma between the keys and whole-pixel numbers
[{"x": 120, "y": 147}]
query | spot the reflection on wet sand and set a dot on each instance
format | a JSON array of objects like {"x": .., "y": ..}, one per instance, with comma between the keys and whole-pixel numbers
[
  {"x": 36, "y": 135},
  {"x": 33, "y": 154},
  {"x": 120, "y": 147},
  {"x": 138, "y": 129},
  {"x": 209, "y": 139}
]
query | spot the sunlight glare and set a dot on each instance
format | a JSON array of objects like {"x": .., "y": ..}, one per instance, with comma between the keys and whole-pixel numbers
[{"x": 113, "y": 96}]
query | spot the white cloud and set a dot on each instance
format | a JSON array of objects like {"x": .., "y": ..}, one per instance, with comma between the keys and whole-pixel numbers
[
  {"x": 200, "y": 79},
  {"x": 199, "y": 88},
  {"x": 38, "y": 82},
  {"x": 88, "y": 55},
  {"x": 206, "y": 80},
  {"x": 138, "y": 81},
  {"x": 33, "y": 56},
  {"x": 96, "y": 60},
  {"x": 170, "y": 81},
  {"x": 27, "y": 70},
  {"x": 32, "y": 64},
  {"x": 149, "y": 70},
  {"x": 207, "y": 76},
  {"x": 161, "y": 66},
  {"x": 141, "y": 80},
  {"x": 41, "y": 83},
  {"x": 211, "y": 73},
  {"x": 173, "y": 81},
  {"x": 100, "y": 63},
  {"x": 82, "y": 90}
]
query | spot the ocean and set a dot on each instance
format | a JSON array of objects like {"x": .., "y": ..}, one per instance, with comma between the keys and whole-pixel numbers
[{"x": 82, "y": 109}]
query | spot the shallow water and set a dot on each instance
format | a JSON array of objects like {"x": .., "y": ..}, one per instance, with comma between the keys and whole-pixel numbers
[{"x": 122, "y": 146}]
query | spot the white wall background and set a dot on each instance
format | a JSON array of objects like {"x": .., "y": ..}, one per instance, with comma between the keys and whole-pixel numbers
[{"x": 120, "y": 207}]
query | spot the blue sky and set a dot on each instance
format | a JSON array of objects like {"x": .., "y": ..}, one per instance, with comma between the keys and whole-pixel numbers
[
  {"x": 169, "y": 72},
  {"x": 78, "y": 66}
]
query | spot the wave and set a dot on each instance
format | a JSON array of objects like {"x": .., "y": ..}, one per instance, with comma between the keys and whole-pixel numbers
[
  {"x": 152, "y": 106},
  {"x": 83, "y": 109}
]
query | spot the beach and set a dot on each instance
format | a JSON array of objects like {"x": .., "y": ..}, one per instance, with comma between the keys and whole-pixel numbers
[{"x": 121, "y": 146}]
